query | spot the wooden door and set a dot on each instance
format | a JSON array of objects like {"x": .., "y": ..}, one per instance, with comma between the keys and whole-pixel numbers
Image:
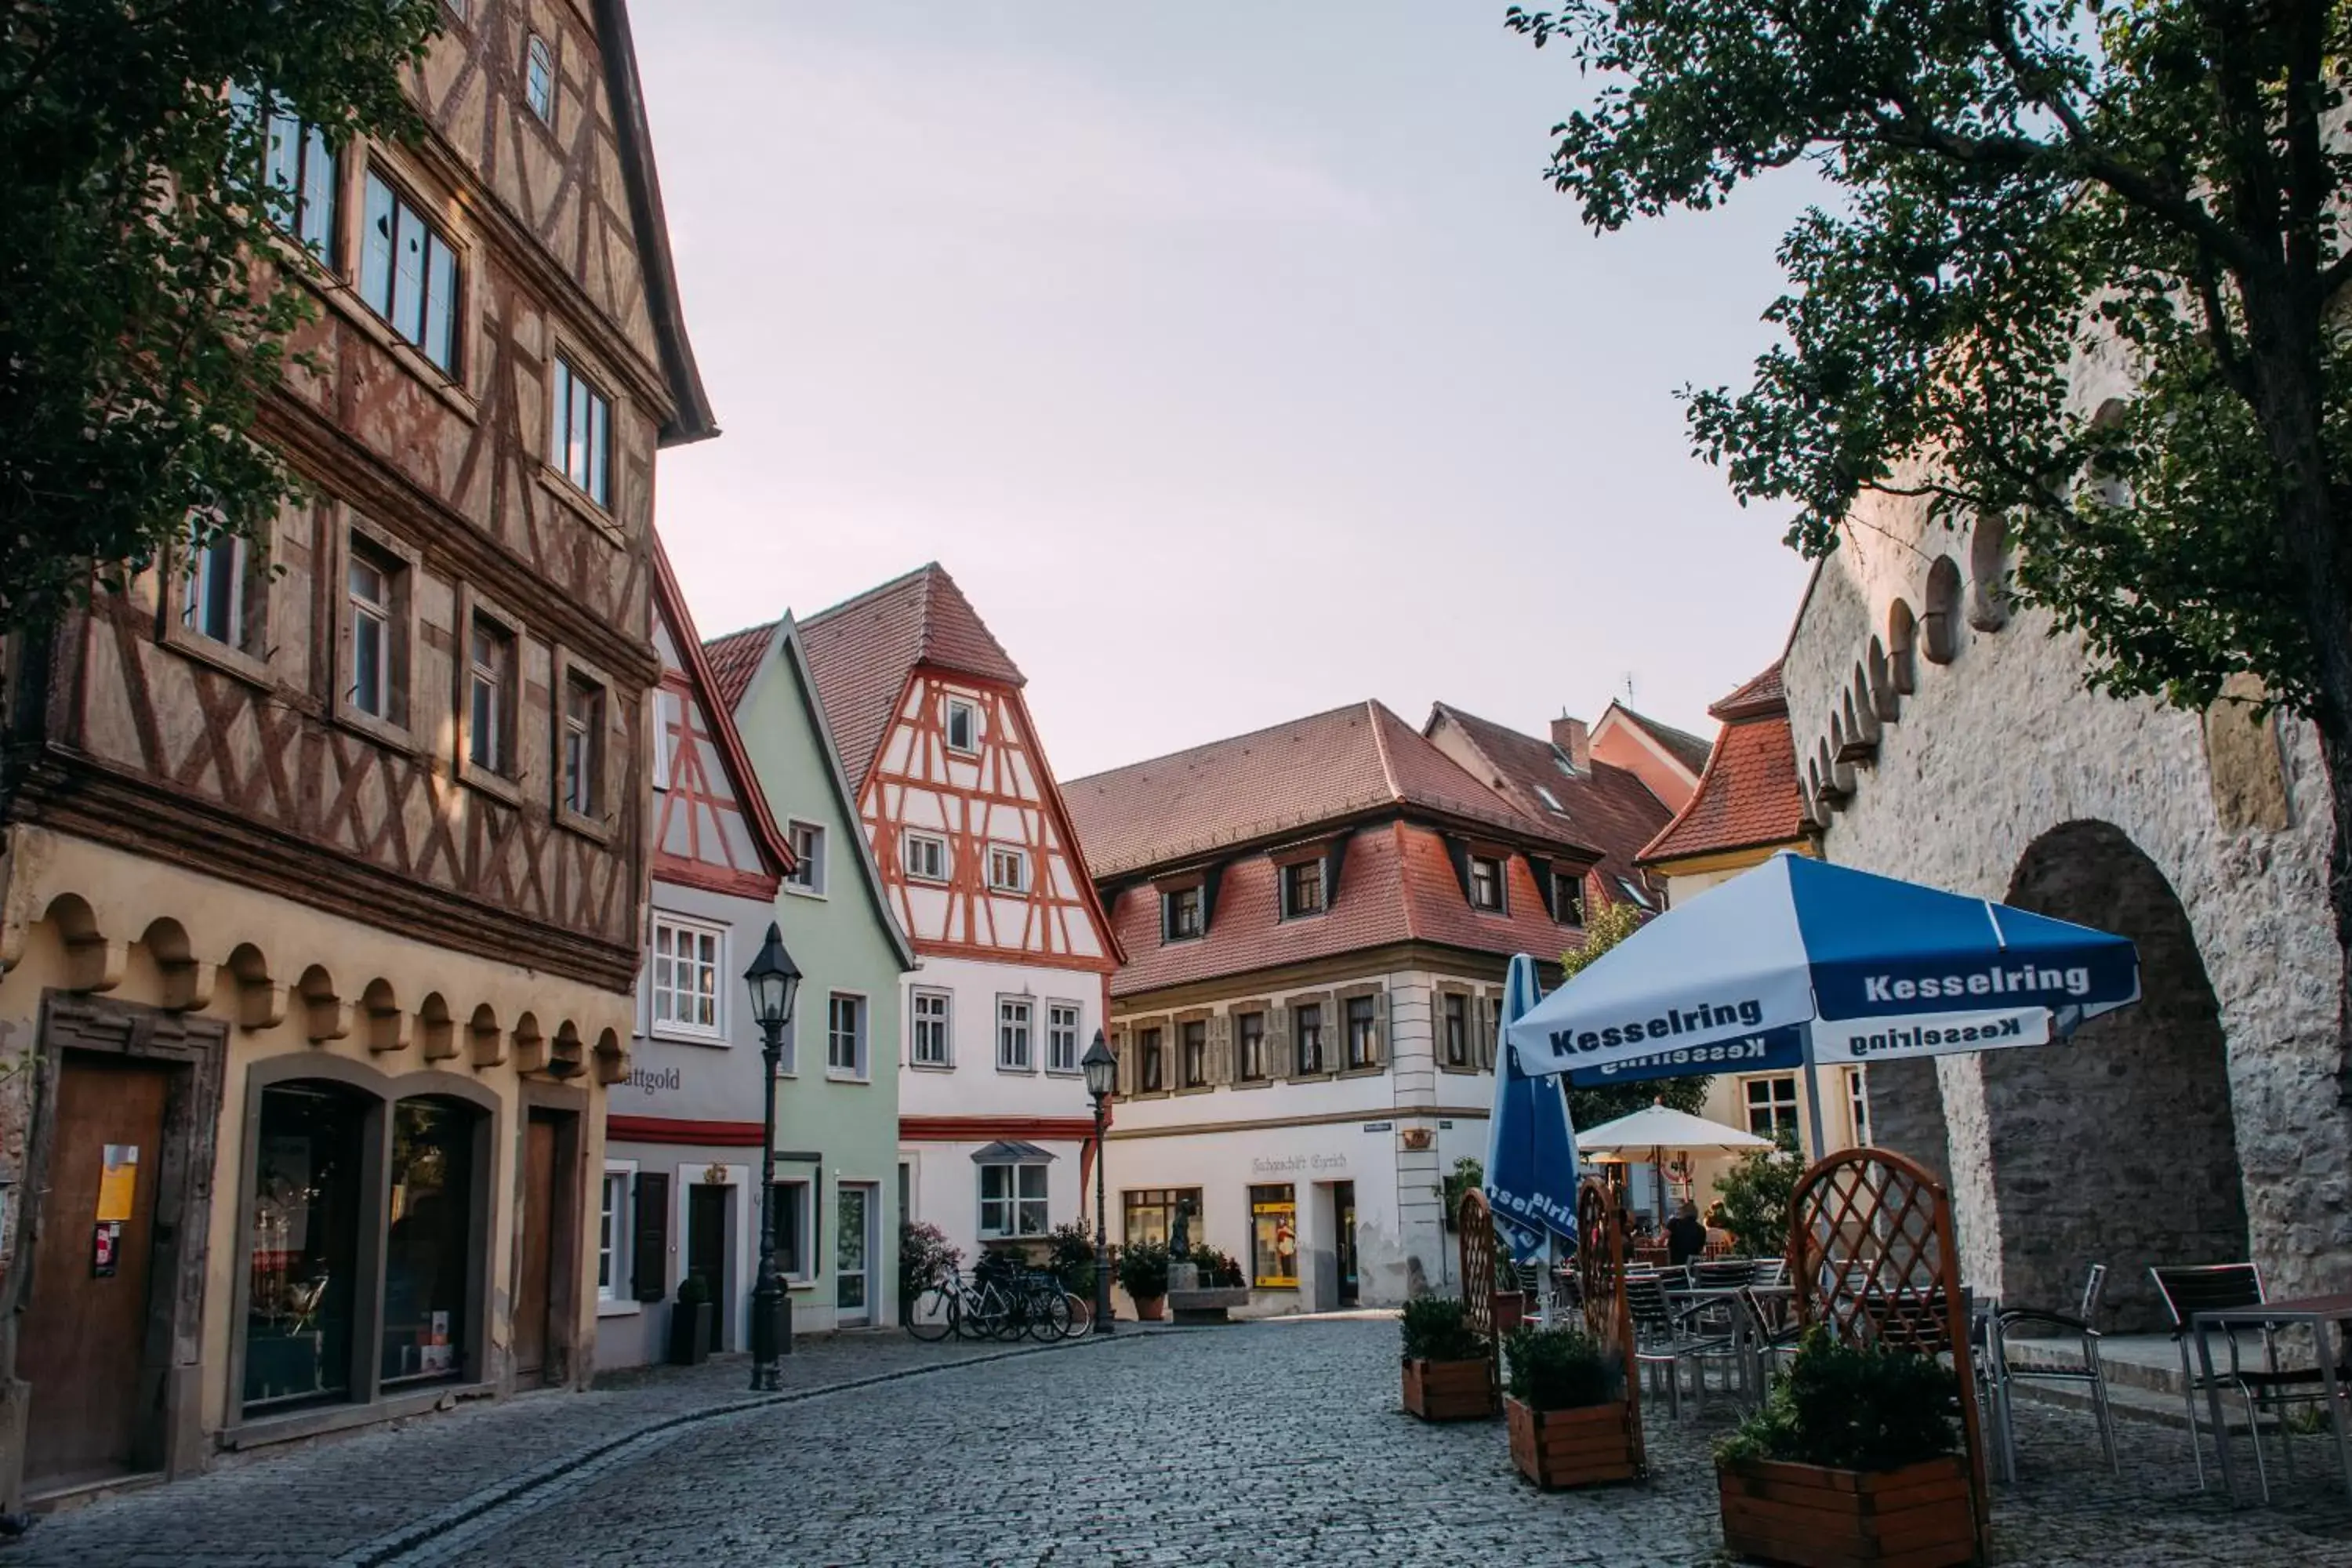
[
  {"x": 706, "y": 1246},
  {"x": 85, "y": 1332},
  {"x": 536, "y": 1269}
]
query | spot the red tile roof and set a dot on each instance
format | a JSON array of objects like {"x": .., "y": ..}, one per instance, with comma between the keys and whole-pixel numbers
[
  {"x": 862, "y": 650},
  {"x": 1749, "y": 798},
  {"x": 1324, "y": 768},
  {"x": 1396, "y": 885},
  {"x": 669, "y": 601},
  {"x": 735, "y": 660},
  {"x": 1605, "y": 807}
]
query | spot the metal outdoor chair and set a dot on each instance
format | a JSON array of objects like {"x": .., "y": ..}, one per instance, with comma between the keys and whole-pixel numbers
[
  {"x": 1771, "y": 1271},
  {"x": 1722, "y": 1273},
  {"x": 1766, "y": 1339},
  {"x": 1664, "y": 1338},
  {"x": 2000, "y": 1325},
  {"x": 2219, "y": 1286}
]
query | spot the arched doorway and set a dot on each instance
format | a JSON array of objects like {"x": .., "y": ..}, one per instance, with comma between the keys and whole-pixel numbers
[{"x": 2119, "y": 1146}]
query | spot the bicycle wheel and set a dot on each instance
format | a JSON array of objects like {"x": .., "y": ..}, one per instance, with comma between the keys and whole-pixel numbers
[
  {"x": 1082, "y": 1314},
  {"x": 932, "y": 1315},
  {"x": 982, "y": 1315},
  {"x": 1049, "y": 1315}
]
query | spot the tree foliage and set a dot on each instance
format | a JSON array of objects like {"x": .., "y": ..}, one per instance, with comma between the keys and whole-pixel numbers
[
  {"x": 1588, "y": 1108},
  {"x": 142, "y": 255},
  {"x": 2035, "y": 204},
  {"x": 1755, "y": 1194}
]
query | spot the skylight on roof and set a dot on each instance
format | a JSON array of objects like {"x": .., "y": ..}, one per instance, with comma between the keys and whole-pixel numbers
[
  {"x": 1560, "y": 759},
  {"x": 1633, "y": 893},
  {"x": 1550, "y": 800}
]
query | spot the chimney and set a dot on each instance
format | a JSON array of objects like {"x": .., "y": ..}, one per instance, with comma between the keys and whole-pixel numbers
[{"x": 1573, "y": 739}]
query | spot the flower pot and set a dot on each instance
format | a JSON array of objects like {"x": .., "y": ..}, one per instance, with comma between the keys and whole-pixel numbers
[
  {"x": 1450, "y": 1390},
  {"x": 690, "y": 1331},
  {"x": 1150, "y": 1309},
  {"x": 1587, "y": 1448},
  {"x": 1809, "y": 1517}
]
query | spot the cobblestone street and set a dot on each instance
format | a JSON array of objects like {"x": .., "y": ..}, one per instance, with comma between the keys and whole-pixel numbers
[{"x": 1278, "y": 1442}]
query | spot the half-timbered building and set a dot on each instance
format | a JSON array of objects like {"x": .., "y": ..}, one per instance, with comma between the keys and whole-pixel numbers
[
  {"x": 975, "y": 846},
  {"x": 325, "y": 851}
]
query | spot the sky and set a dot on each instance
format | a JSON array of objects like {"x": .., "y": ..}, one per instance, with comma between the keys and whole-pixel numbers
[{"x": 1237, "y": 359}]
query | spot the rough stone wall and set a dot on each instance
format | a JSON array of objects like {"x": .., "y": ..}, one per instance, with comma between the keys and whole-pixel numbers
[{"x": 2001, "y": 745}]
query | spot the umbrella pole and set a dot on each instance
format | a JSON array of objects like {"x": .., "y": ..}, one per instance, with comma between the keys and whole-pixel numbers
[{"x": 1813, "y": 1100}]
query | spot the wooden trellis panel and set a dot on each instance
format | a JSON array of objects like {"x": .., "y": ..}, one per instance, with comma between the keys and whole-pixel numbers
[
  {"x": 1872, "y": 1257},
  {"x": 1476, "y": 1225},
  {"x": 1608, "y": 1317}
]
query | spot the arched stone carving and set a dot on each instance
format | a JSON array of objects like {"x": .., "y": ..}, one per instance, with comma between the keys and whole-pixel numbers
[
  {"x": 1940, "y": 623},
  {"x": 95, "y": 958},
  {"x": 612, "y": 1058},
  {"x": 1858, "y": 720},
  {"x": 530, "y": 1044},
  {"x": 1885, "y": 702},
  {"x": 260, "y": 1002},
  {"x": 1988, "y": 573},
  {"x": 1901, "y": 643},
  {"x": 568, "y": 1055},
  {"x": 434, "y": 1032},
  {"x": 188, "y": 981},
  {"x": 383, "y": 1027},
  {"x": 326, "y": 1016}
]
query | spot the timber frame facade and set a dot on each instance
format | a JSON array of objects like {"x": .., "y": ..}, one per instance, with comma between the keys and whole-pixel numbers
[{"x": 359, "y": 807}]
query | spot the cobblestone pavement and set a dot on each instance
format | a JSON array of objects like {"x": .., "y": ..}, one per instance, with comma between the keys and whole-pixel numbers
[
  {"x": 365, "y": 1497},
  {"x": 1270, "y": 1443}
]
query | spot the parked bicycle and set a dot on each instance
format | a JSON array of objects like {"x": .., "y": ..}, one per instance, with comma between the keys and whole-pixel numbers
[{"x": 1001, "y": 1301}]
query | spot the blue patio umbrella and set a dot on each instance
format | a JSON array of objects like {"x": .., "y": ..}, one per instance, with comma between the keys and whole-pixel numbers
[
  {"x": 1801, "y": 962},
  {"x": 1530, "y": 1148}
]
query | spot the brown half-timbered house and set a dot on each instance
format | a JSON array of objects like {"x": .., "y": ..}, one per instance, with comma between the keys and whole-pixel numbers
[{"x": 325, "y": 852}]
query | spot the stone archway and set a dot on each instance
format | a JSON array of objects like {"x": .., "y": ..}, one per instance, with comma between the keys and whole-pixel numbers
[{"x": 2120, "y": 1146}]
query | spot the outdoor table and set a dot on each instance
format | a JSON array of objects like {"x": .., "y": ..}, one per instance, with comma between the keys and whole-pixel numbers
[{"x": 2313, "y": 1312}]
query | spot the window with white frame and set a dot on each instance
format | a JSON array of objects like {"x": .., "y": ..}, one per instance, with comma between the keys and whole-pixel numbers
[
  {"x": 1012, "y": 1033},
  {"x": 963, "y": 725},
  {"x": 1061, "y": 1036},
  {"x": 687, "y": 960},
  {"x": 925, "y": 856},
  {"x": 1634, "y": 891},
  {"x": 665, "y": 713},
  {"x": 408, "y": 272},
  {"x": 1485, "y": 883},
  {"x": 613, "y": 1237},
  {"x": 583, "y": 746},
  {"x": 490, "y": 663},
  {"x": 1771, "y": 1105},
  {"x": 379, "y": 679},
  {"x": 298, "y": 173},
  {"x": 845, "y": 1036},
  {"x": 792, "y": 1259},
  {"x": 1012, "y": 1200},
  {"x": 932, "y": 1046},
  {"x": 1008, "y": 869},
  {"x": 808, "y": 857}
]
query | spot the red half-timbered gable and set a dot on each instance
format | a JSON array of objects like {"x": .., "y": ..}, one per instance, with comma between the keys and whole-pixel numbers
[{"x": 711, "y": 827}]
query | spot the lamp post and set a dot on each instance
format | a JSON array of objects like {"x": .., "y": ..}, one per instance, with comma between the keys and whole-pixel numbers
[
  {"x": 772, "y": 978},
  {"x": 1101, "y": 1069}
]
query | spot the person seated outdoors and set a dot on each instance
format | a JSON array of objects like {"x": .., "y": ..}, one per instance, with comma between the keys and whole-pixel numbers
[{"x": 1685, "y": 1235}]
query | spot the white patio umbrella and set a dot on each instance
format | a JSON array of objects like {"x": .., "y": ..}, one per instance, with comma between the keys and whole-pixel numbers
[{"x": 1658, "y": 1128}]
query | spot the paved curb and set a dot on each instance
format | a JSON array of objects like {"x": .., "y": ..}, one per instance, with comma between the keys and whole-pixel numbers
[{"x": 395, "y": 1545}]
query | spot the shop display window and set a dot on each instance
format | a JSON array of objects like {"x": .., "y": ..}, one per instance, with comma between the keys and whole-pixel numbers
[
  {"x": 428, "y": 1238},
  {"x": 1273, "y": 1237},
  {"x": 306, "y": 1243}
]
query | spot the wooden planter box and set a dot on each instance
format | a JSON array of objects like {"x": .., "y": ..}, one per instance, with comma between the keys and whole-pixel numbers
[
  {"x": 1450, "y": 1390},
  {"x": 1918, "y": 1517},
  {"x": 1587, "y": 1448}
]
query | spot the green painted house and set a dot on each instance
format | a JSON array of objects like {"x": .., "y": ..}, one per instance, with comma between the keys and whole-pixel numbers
[{"x": 837, "y": 1118}]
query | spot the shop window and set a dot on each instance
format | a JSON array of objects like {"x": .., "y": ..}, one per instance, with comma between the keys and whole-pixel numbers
[
  {"x": 1012, "y": 1201},
  {"x": 309, "y": 1150},
  {"x": 1308, "y": 1021},
  {"x": 1363, "y": 1032},
  {"x": 1150, "y": 1063},
  {"x": 1771, "y": 1105},
  {"x": 1062, "y": 1036},
  {"x": 1273, "y": 1237},
  {"x": 1302, "y": 889},
  {"x": 428, "y": 1240},
  {"x": 579, "y": 423},
  {"x": 1458, "y": 1029},
  {"x": 408, "y": 273},
  {"x": 931, "y": 1042},
  {"x": 1012, "y": 1035},
  {"x": 1249, "y": 1035},
  {"x": 1193, "y": 1043},
  {"x": 1148, "y": 1215}
]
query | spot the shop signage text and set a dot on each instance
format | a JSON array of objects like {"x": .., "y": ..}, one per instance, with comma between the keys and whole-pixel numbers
[{"x": 1286, "y": 1164}]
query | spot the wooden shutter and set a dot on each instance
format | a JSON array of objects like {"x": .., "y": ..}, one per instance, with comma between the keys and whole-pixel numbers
[
  {"x": 1382, "y": 1051},
  {"x": 649, "y": 1252}
]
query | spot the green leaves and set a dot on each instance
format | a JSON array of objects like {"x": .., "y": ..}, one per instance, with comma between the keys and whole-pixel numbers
[
  {"x": 1853, "y": 1407},
  {"x": 2032, "y": 201},
  {"x": 1437, "y": 1328},
  {"x": 153, "y": 308}
]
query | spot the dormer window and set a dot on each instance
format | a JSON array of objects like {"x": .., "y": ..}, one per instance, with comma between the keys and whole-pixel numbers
[
  {"x": 963, "y": 726},
  {"x": 1568, "y": 898},
  {"x": 1551, "y": 801},
  {"x": 1180, "y": 914},
  {"x": 1302, "y": 888},
  {"x": 1486, "y": 883}
]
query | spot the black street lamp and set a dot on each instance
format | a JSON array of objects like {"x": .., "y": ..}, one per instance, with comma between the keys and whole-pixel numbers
[
  {"x": 774, "y": 978},
  {"x": 1101, "y": 1068}
]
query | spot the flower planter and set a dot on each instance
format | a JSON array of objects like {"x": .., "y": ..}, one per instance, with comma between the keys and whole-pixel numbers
[
  {"x": 691, "y": 1327},
  {"x": 1450, "y": 1390},
  {"x": 1150, "y": 1309},
  {"x": 1808, "y": 1517},
  {"x": 1587, "y": 1448}
]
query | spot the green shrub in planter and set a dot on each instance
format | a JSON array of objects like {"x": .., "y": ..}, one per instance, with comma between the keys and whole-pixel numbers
[
  {"x": 1853, "y": 1407},
  {"x": 1070, "y": 1256},
  {"x": 1217, "y": 1269},
  {"x": 1562, "y": 1368},
  {"x": 693, "y": 1290},
  {"x": 1437, "y": 1328},
  {"x": 1143, "y": 1269}
]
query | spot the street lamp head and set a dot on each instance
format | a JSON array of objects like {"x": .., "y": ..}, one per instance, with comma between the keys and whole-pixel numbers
[
  {"x": 773, "y": 979},
  {"x": 1100, "y": 1066}
]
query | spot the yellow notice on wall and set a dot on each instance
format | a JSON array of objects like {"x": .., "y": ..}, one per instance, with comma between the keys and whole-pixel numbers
[{"x": 119, "y": 1185}]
